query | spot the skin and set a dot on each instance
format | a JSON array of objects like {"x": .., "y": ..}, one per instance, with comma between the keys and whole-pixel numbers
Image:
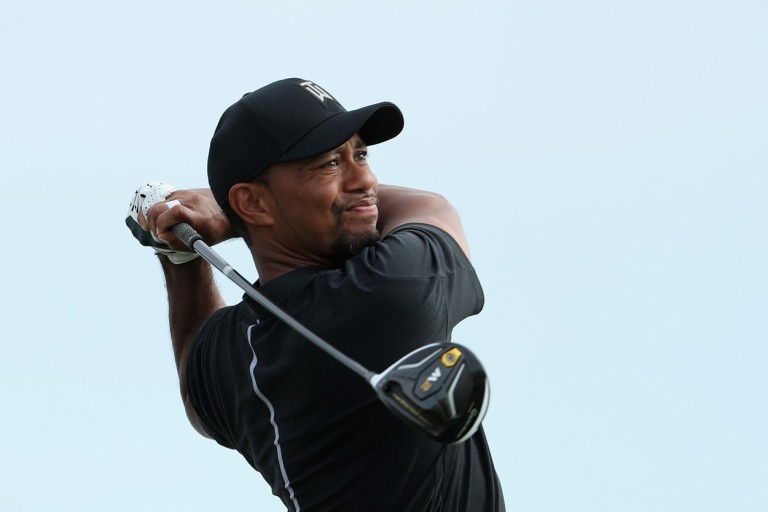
[{"x": 314, "y": 212}]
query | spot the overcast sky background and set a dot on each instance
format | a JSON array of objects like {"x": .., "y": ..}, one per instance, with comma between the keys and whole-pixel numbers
[{"x": 608, "y": 158}]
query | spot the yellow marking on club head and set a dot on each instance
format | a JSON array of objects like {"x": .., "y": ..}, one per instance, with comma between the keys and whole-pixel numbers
[{"x": 451, "y": 357}]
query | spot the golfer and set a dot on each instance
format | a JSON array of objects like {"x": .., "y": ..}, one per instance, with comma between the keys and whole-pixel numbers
[{"x": 376, "y": 270}]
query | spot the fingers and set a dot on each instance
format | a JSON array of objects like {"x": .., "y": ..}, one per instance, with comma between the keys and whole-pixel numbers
[
  {"x": 157, "y": 207},
  {"x": 163, "y": 216},
  {"x": 201, "y": 211},
  {"x": 144, "y": 198}
]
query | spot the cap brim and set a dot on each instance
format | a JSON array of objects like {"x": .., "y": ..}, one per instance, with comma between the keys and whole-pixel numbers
[{"x": 375, "y": 123}]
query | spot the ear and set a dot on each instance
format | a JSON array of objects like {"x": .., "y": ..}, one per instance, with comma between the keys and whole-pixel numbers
[{"x": 252, "y": 202}]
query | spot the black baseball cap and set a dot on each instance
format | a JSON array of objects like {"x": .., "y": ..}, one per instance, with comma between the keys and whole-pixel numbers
[{"x": 285, "y": 121}]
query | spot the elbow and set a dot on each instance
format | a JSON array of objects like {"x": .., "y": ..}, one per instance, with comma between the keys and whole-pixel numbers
[{"x": 194, "y": 419}]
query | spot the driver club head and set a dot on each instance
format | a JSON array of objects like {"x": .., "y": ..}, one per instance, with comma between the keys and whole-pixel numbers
[{"x": 440, "y": 389}]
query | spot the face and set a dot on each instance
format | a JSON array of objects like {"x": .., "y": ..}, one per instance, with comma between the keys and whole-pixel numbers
[{"x": 326, "y": 206}]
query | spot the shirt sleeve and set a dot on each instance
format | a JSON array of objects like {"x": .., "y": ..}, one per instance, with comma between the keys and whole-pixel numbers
[{"x": 202, "y": 385}]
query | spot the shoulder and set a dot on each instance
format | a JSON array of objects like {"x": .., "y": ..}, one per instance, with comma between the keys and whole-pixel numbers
[
  {"x": 217, "y": 321},
  {"x": 424, "y": 231},
  {"x": 213, "y": 338},
  {"x": 416, "y": 273},
  {"x": 416, "y": 250}
]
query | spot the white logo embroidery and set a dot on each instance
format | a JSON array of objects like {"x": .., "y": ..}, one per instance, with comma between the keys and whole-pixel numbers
[{"x": 316, "y": 91}]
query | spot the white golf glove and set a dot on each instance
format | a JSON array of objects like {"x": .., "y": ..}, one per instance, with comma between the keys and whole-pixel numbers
[{"x": 144, "y": 198}]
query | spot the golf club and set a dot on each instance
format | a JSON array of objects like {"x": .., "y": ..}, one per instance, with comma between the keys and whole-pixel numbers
[{"x": 440, "y": 389}]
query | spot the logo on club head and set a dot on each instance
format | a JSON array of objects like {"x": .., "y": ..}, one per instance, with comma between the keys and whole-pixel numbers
[{"x": 429, "y": 381}]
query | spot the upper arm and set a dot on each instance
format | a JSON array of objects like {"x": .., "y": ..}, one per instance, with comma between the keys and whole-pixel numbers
[
  {"x": 399, "y": 205},
  {"x": 192, "y": 299}
]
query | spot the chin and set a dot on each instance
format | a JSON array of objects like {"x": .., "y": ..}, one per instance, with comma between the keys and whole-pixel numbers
[{"x": 350, "y": 244}]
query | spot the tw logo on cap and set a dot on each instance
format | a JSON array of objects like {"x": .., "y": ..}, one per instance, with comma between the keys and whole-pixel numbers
[{"x": 318, "y": 92}]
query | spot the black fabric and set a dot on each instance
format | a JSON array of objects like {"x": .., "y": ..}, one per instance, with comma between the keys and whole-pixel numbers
[{"x": 314, "y": 429}]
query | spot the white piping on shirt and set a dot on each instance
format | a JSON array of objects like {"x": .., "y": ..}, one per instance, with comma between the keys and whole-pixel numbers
[{"x": 266, "y": 401}]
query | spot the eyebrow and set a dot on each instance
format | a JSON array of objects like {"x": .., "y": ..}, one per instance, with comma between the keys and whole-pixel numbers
[{"x": 358, "y": 144}]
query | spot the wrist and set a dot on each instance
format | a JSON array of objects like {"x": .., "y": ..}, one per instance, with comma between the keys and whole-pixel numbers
[
  {"x": 178, "y": 257},
  {"x": 191, "y": 266}
]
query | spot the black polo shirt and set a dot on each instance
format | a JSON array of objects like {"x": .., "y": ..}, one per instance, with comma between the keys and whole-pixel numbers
[{"x": 316, "y": 431}]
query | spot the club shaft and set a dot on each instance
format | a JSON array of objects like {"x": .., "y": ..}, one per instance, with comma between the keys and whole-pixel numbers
[{"x": 196, "y": 243}]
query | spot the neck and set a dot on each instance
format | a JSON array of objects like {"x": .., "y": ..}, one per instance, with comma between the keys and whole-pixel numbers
[{"x": 271, "y": 265}]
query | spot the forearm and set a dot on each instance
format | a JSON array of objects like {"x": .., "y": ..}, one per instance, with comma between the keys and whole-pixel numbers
[{"x": 192, "y": 298}]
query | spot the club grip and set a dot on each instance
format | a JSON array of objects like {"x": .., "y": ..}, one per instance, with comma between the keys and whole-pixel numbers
[{"x": 186, "y": 234}]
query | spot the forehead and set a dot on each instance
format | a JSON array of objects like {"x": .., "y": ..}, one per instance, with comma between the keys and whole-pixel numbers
[{"x": 355, "y": 142}]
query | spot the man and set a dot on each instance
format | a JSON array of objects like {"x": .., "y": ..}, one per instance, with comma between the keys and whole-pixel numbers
[{"x": 376, "y": 270}]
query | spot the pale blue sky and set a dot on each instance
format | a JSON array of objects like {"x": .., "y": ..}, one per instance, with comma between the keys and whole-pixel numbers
[{"x": 608, "y": 159}]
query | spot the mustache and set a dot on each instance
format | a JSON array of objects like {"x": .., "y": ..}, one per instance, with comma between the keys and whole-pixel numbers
[{"x": 368, "y": 197}]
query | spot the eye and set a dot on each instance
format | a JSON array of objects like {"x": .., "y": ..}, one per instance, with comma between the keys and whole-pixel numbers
[
  {"x": 361, "y": 155},
  {"x": 331, "y": 163}
]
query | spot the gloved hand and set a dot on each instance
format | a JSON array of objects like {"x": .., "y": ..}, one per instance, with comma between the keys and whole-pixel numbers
[{"x": 144, "y": 198}]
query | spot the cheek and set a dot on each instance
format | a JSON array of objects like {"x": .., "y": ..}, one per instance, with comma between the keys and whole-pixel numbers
[
  {"x": 316, "y": 213},
  {"x": 311, "y": 203}
]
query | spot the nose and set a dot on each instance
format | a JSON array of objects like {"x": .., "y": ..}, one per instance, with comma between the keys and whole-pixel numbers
[{"x": 358, "y": 177}]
